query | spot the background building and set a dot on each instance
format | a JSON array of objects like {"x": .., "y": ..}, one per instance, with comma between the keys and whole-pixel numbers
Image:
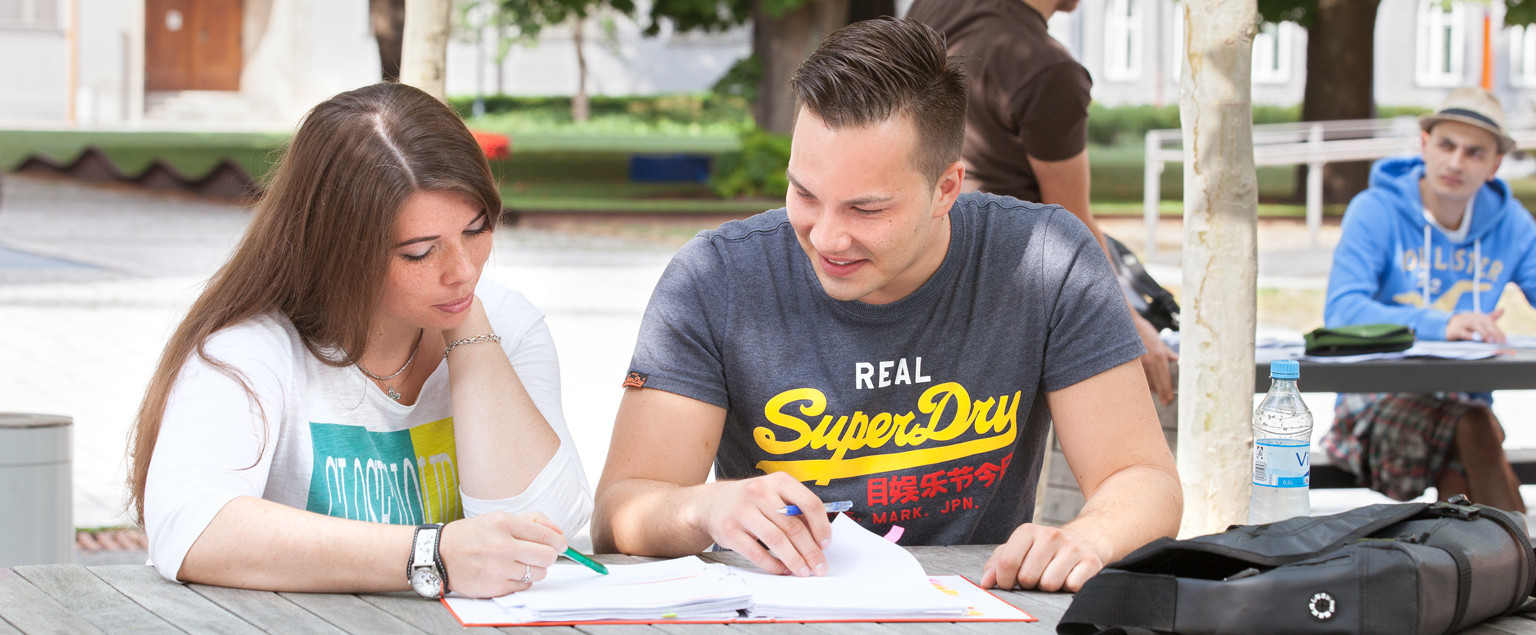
[{"x": 262, "y": 63}]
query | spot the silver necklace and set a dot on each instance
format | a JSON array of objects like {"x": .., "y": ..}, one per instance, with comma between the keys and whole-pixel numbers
[{"x": 388, "y": 388}]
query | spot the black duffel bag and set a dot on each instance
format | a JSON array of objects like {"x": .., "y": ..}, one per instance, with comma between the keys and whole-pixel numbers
[
  {"x": 1393, "y": 568},
  {"x": 1149, "y": 298}
]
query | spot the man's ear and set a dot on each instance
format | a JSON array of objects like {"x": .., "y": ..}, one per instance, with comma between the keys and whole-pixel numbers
[
  {"x": 1497, "y": 163},
  {"x": 947, "y": 188},
  {"x": 1423, "y": 141}
]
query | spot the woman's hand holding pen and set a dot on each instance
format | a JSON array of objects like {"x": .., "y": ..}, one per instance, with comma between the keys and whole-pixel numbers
[
  {"x": 746, "y": 517},
  {"x": 490, "y": 555}
]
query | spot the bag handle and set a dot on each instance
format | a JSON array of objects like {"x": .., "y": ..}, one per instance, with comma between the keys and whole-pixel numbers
[{"x": 1141, "y": 603}]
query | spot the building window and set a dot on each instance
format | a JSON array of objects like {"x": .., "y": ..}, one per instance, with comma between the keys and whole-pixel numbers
[
  {"x": 1441, "y": 45},
  {"x": 1122, "y": 40},
  {"x": 1522, "y": 56},
  {"x": 1272, "y": 53},
  {"x": 29, "y": 14}
]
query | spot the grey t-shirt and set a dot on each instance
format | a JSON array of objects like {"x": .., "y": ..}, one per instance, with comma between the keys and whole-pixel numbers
[{"x": 924, "y": 411}]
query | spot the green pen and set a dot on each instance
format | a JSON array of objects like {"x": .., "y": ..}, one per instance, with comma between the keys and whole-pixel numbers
[{"x": 585, "y": 561}]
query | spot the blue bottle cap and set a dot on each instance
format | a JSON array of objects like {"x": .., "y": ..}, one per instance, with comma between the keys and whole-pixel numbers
[{"x": 1285, "y": 369}]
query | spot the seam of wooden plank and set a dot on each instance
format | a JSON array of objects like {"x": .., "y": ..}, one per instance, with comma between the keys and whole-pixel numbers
[
  {"x": 427, "y": 615},
  {"x": 93, "y": 599},
  {"x": 172, "y": 602},
  {"x": 30, "y": 610},
  {"x": 268, "y": 611},
  {"x": 350, "y": 613}
]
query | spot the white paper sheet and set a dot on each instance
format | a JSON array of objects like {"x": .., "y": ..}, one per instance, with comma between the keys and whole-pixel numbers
[
  {"x": 867, "y": 575},
  {"x": 868, "y": 578},
  {"x": 684, "y": 588}
]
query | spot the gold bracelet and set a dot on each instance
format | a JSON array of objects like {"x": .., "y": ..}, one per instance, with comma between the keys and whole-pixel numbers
[{"x": 488, "y": 337}]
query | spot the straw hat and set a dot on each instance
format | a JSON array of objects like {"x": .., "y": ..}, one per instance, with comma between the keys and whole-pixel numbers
[{"x": 1474, "y": 107}]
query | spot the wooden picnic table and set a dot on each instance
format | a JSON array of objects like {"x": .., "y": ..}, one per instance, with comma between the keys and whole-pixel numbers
[{"x": 122, "y": 598}]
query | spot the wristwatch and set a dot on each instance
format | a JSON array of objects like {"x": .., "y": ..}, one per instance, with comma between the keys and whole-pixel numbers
[{"x": 425, "y": 572}]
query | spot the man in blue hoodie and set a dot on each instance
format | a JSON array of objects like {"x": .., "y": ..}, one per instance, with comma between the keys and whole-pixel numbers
[{"x": 1431, "y": 244}]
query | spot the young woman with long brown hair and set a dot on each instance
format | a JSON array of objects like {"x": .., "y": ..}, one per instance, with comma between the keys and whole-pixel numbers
[{"x": 346, "y": 383}]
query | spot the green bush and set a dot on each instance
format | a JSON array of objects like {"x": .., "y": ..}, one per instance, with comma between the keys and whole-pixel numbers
[
  {"x": 740, "y": 80},
  {"x": 756, "y": 170},
  {"x": 1388, "y": 112},
  {"x": 694, "y": 111}
]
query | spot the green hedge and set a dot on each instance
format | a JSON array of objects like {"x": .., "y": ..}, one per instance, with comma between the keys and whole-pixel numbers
[
  {"x": 756, "y": 170},
  {"x": 728, "y": 107},
  {"x": 1112, "y": 125},
  {"x": 1109, "y": 126},
  {"x": 700, "y": 108}
]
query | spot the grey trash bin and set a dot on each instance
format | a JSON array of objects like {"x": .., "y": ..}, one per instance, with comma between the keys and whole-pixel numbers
[{"x": 36, "y": 515}]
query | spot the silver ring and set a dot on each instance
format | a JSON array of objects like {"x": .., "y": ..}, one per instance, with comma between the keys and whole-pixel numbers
[{"x": 527, "y": 574}]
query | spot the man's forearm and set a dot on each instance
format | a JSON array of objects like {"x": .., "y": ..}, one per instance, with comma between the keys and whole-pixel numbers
[
  {"x": 1131, "y": 508},
  {"x": 647, "y": 518}
]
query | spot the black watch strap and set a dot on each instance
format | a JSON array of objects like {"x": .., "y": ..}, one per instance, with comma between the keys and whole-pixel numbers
[{"x": 437, "y": 557}]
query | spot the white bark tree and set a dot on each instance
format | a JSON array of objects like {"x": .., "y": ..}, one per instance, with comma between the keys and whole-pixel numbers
[
  {"x": 1220, "y": 264},
  {"x": 424, "y": 58}
]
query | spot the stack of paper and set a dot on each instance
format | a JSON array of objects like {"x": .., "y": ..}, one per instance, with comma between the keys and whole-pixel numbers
[
  {"x": 684, "y": 588},
  {"x": 869, "y": 579},
  {"x": 868, "y": 576}
]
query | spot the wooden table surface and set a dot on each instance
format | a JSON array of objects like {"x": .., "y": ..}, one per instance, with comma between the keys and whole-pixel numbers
[{"x": 124, "y": 598}]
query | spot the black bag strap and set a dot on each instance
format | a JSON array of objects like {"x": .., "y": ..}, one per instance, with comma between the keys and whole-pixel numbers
[
  {"x": 1273, "y": 545},
  {"x": 1516, "y": 528},
  {"x": 1460, "y": 509},
  {"x": 1463, "y": 587},
  {"x": 1528, "y": 607},
  {"x": 1134, "y": 602}
]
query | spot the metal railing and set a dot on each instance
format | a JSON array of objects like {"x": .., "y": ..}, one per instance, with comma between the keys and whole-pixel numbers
[{"x": 1314, "y": 144}]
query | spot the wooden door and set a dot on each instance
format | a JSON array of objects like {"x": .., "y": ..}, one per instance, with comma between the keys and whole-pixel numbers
[{"x": 192, "y": 44}]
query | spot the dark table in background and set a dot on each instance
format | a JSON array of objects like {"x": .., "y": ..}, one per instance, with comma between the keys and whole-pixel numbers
[{"x": 1503, "y": 372}]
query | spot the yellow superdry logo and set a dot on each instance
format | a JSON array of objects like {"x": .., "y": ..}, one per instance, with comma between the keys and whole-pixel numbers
[{"x": 951, "y": 413}]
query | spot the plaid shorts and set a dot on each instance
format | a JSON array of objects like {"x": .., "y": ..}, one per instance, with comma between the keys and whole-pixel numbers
[{"x": 1397, "y": 444}]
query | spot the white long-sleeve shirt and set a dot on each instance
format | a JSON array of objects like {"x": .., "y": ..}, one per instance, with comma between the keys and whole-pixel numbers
[{"x": 326, "y": 440}]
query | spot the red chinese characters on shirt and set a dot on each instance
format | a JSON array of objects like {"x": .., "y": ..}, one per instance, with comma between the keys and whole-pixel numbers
[{"x": 901, "y": 490}]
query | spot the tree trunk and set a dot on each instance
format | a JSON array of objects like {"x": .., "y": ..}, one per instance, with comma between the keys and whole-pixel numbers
[
  {"x": 781, "y": 42},
  {"x": 424, "y": 58},
  {"x": 580, "y": 108},
  {"x": 501, "y": 59},
  {"x": 1220, "y": 264},
  {"x": 388, "y": 20},
  {"x": 1341, "y": 44}
]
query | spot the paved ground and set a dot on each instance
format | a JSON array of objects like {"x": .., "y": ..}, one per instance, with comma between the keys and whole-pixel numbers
[{"x": 93, "y": 279}]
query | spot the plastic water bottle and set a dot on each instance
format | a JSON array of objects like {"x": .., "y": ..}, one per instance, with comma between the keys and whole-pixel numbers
[{"x": 1282, "y": 443}]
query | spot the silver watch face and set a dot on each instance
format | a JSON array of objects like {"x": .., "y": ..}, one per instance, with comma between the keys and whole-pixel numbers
[{"x": 426, "y": 583}]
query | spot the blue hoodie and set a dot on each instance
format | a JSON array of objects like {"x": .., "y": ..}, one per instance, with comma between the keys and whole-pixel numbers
[{"x": 1378, "y": 267}]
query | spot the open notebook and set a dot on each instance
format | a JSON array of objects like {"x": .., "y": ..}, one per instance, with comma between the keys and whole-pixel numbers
[{"x": 870, "y": 579}]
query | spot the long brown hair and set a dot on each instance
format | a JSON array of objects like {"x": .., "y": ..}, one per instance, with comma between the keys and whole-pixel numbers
[{"x": 319, "y": 240}]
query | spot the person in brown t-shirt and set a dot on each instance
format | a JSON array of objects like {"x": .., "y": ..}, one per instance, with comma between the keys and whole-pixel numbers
[{"x": 1026, "y": 123}]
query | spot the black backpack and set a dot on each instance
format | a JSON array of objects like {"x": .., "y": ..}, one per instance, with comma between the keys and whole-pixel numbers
[
  {"x": 1148, "y": 297},
  {"x": 1391, "y": 568}
]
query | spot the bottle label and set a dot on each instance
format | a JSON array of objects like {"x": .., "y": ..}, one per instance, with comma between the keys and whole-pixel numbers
[{"x": 1282, "y": 463}]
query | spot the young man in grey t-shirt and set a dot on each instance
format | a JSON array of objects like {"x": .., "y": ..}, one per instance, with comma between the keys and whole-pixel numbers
[{"x": 886, "y": 340}]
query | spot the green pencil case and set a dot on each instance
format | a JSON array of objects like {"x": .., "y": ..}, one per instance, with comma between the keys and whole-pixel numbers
[{"x": 1359, "y": 339}]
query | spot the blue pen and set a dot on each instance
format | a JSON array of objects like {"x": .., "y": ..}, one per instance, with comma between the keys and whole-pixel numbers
[{"x": 833, "y": 507}]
